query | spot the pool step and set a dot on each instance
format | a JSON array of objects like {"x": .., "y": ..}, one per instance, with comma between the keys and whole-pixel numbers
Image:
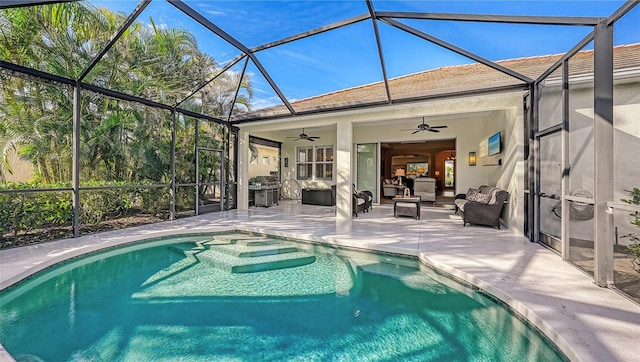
[
  {"x": 243, "y": 251},
  {"x": 255, "y": 242},
  {"x": 234, "y": 238},
  {"x": 254, "y": 264},
  {"x": 182, "y": 248}
]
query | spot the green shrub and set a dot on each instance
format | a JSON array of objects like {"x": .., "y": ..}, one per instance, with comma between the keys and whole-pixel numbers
[
  {"x": 23, "y": 212},
  {"x": 635, "y": 237}
]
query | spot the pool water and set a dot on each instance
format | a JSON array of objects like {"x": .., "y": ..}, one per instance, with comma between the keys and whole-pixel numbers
[{"x": 253, "y": 298}]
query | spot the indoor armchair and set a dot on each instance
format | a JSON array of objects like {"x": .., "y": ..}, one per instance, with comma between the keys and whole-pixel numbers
[{"x": 425, "y": 187}]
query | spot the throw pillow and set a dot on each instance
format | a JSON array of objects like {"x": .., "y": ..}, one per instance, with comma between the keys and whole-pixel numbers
[
  {"x": 493, "y": 199},
  {"x": 471, "y": 193},
  {"x": 484, "y": 198},
  {"x": 478, "y": 197}
]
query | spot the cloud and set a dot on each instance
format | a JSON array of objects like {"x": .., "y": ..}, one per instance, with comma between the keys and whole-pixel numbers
[
  {"x": 215, "y": 12},
  {"x": 265, "y": 102}
]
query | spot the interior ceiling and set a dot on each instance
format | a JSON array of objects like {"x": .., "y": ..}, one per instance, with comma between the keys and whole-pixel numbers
[
  {"x": 418, "y": 147},
  {"x": 252, "y": 45}
]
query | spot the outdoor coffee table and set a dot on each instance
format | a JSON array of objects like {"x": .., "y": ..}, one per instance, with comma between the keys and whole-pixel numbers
[{"x": 406, "y": 206}]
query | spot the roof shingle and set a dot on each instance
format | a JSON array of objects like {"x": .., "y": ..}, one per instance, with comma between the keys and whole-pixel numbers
[{"x": 451, "y": 79}]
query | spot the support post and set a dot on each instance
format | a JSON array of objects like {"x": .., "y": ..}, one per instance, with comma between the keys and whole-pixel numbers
[
  {"x": 242, "y": 163},
  {"x": 565, "y": 166},
  {"x": 530, "y": 164},
  {"x": 75, "y": 168},
  {"x": 172, "y": 185},
  {"x": 535, "y": 162},
  {"x": 603, "y": 145},
  {"x": 344, "y": 179},
  {"x": 196, "y": 152}
]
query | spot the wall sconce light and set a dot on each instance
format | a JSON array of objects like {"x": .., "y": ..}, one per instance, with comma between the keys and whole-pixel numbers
[
  {"x": 472, "y": 158},
  {"x": 437, "y": 173}
]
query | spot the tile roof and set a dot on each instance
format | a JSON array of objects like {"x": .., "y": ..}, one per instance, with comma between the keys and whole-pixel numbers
[{"x": 451, "y": 79}]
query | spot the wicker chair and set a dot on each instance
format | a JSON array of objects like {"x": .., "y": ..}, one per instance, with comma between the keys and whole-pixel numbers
[
  {"x": 479, "y": 213},
  {"x": 366, "y": 195},
  {"x": 358, "y": 203}
]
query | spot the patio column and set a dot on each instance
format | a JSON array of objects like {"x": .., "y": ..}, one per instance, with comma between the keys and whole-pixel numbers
[
  {"x": 603, "y": 145},
  {"x": 344, "y": 181},
  {"x": 243, "y": 170}
]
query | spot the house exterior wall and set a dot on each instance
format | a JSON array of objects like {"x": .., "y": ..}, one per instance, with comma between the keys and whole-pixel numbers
[
  {"x": 327, "y": 138},
  {"x": 582, "y": 153},
  {"x": 626, "y": 141},
  {"x": 22, "y": 170},
  {"x": 258, "y": 167},
  {"x": 470, "y": 120}
]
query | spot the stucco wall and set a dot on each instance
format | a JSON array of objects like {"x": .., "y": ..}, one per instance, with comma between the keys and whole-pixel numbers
[
  {"x": 22, "y": 170},
  {"x": 470, "y": 120},
  {"x": 626, "y": 140},
  {"x": 259, "y": 168}
]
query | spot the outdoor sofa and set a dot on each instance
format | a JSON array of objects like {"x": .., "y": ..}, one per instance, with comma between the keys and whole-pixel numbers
[{"x": 481, "y": 206}]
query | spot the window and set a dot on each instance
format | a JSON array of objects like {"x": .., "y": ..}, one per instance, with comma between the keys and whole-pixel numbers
[
  {"x": 324, "y": 163},
  {"x": 448, "y": 173},
  {"x": 304, "y": 163},
  {"x": 314, "y": 160}
]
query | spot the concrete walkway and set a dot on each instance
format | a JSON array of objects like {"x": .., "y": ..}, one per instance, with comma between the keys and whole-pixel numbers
[{"x": 587, "y": 322}]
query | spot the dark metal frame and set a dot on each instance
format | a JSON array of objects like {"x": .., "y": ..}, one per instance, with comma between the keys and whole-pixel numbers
[
  {"x": 601, "y": 34},
  {"x": 388, "y": 17},
  {"x": 222, "y": 181}
]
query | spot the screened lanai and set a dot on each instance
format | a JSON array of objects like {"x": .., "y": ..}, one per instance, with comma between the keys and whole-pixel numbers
[{"x": 115, "y": 110}]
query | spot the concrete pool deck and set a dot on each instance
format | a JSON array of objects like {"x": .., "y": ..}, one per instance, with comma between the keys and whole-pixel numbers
[{"x": 587, "y": 322}]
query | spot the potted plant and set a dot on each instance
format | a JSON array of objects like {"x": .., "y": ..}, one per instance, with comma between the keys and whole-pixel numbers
[{"x": 634, "y": 237}]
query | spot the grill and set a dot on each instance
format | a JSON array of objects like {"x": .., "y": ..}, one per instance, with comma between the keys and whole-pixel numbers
[{"x": 267, "y": 191}]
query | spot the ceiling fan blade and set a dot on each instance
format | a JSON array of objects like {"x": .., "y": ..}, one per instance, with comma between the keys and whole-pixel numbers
[
  {"x": 438, "y": 127},
  {"x": 433, "y": 130},
  {"x": 314, "y": 137},
  {"x": 416, "y": 131},
  {"x": 310, "y": 139}
]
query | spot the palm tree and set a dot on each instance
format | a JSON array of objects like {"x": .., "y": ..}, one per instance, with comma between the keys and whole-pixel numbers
[{"x": 120, "y": 140}]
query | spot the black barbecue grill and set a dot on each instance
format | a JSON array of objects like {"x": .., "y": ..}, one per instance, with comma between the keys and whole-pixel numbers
[{"x": 267, "y": 191}]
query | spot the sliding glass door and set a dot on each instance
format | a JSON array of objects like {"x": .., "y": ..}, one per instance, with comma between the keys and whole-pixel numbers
[{"x": 367, "y": 169}]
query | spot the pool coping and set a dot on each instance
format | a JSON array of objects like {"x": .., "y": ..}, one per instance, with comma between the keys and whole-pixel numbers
[{"x": 44, "y": 255}]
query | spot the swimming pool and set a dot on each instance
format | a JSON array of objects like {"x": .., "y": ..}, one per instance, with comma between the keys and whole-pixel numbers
[{"x": 251, "y": 297}]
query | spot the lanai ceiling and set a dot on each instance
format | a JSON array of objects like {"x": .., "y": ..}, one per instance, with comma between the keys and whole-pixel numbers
[{"x": 275, "y": 56}]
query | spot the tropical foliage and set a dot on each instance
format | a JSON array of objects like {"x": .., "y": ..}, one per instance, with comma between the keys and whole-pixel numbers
[
  {"x": 635, "y": 237},
  {"x": 120, "y": 142}
]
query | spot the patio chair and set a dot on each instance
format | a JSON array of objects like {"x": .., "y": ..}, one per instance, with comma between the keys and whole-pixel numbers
[
  {"x": 482, "y": 206},
  {"x": 357, "y": 204},
  {"x": 366, "y": 195}
]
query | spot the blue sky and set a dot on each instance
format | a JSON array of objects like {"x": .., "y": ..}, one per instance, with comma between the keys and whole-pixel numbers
[{"x": 348, "y": 57}]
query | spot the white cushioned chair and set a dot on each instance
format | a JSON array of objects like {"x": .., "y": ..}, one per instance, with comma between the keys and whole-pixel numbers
[
  {"x": 388, "y": 189},
  {"x": 425, "y": 187}
]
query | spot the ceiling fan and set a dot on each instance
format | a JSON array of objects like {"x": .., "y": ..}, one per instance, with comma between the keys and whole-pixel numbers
[
  {"x": 424, "y": 127},
  {"x": 304, "y": 136}
]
